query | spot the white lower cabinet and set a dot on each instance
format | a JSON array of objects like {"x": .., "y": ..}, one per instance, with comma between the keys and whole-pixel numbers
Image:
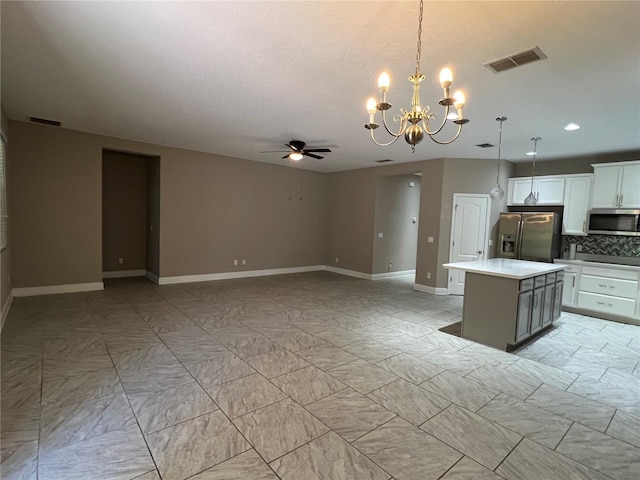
[
  {"x": 570, "y": 286},
  {"x": 610, "y": 290}
]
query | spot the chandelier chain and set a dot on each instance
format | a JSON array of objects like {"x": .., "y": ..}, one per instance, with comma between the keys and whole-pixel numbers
[{"x": 418, "y": 54}]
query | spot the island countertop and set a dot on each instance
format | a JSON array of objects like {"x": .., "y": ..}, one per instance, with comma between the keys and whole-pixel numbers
[{"x": 506, "y": 267}]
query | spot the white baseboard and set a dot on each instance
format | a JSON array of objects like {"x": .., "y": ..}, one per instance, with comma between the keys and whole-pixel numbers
[
  {"x": 382, "y": 276},
  {"x": 207, "y": 277},
  {"x": 5, "y": 310},
  {"x": 350, "y": 273},
  {"x": 124, "y": 274},
  {"x": 153, "y": 277},
  {"x": 52, "y": 289},
  {"x": 428, "y": 289}
]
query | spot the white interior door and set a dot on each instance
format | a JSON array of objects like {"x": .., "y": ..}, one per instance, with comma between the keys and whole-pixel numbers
[{"x": 469, "y": 234}]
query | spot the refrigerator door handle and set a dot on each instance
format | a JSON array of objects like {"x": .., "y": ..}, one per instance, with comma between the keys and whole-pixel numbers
[{"x": 519, "y": 238}]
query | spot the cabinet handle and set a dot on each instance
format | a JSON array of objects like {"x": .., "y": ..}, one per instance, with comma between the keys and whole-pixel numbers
[
  {"x": 617, "y": 202},
  {"x": 601, "y": 303},
  {"x": 574, "y": 282},
  {"x": 584, "y": 226},
  {"x": 621, "y": 197},
  {"x": 606, "y": 286}
]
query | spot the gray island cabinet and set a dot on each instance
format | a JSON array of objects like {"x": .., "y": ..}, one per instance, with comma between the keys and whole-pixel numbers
[{"x": 508, "y": 301}]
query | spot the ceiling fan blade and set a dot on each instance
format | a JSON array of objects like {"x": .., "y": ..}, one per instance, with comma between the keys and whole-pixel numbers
[
  {"x": 317, "y": 150},
  {"x": 306, "y": 152},
  {"x": 274, "y": 151},
  {"x": 291, "y": 147},
  {"x": 286, "y": 156}
]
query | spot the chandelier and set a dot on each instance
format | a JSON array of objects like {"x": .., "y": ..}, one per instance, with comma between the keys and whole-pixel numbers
[
  {"x": 416, "y": 122},
  {"x": 531, "y": 198},
  {"x": 497, "y": 193}
]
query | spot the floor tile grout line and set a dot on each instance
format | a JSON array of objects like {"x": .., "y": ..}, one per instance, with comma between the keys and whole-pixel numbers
[{"x": 510, "y": 452}]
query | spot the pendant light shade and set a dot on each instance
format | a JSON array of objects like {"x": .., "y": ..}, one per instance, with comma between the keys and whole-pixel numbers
[
  {"x": 531, "y": 198},
  {"x": 497, "y": 193}
]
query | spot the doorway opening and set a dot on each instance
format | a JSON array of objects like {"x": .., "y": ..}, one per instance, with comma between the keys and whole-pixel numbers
[
  {"x": 130, "y": 215},
  {"x": 397, "y": 210}
]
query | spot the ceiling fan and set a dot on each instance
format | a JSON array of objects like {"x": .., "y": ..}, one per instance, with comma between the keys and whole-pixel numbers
[{"x": 298, "y": 151}]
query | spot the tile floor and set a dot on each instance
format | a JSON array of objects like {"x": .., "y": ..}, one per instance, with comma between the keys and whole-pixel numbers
[{"x": 302, "y": 377}]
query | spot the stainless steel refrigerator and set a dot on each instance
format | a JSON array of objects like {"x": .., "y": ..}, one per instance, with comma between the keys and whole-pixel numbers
[{"x": 532, "y": 236}]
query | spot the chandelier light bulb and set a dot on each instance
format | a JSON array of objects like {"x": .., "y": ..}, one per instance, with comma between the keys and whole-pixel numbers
[
  {"x": 383, "y": 82},
  {"x": 446, "y": 77},
  {"x": 458, "y": 99},
  {"x": 371, "y": 106}
]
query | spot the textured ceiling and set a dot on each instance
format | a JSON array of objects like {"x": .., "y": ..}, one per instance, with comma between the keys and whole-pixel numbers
[{"x": 236, "y": 78}]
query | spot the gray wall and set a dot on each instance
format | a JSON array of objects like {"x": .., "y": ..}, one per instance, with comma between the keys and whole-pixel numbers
[
  {"x": 5, "y": 260},
  {"x": 396, "y": 204},
  {"x": 124, "y": 211},
  {"x": 572, "y": 165}
]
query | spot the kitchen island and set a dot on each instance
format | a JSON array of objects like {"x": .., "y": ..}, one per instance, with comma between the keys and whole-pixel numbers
[{"x": 508, "y": 301}]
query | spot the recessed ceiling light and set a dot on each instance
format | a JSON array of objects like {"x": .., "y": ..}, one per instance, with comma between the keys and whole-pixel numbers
[
  {"x": 572, "y": 126},
  {"x": 530, "y": 153}
]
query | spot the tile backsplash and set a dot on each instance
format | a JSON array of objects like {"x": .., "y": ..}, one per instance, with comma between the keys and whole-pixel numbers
[{"x": 617, "y": 245}]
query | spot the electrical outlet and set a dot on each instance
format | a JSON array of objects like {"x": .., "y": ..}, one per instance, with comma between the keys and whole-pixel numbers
[
  {"x": 121, "y": 260},
  {"x": 235, "y": 262},
  {"x": 244, "y": 262},
  {"x": 428, "y": 274},
  {"x": 337, "y": 260},
  {"x": 579, "y": 247}
]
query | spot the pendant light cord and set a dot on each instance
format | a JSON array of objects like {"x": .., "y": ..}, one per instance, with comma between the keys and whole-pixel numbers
[{"x": 500, "y": 119}]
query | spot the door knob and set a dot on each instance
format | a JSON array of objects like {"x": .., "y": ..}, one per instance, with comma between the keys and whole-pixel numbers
[{"x": 479, "y": 252}]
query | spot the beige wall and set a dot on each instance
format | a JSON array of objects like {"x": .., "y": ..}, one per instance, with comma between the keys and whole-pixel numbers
[
  {"x": 468, "y": 176},
  {"x": 5, "y": 255},
  {"x": 55, "y": 206},
  {"x": 396, "y": 204},
  {"x": 213, "y": 209},
  {"x": 217, "y": 209},
  {"x": 572, "y": 165},
  {"x": 124, "y": 211}
]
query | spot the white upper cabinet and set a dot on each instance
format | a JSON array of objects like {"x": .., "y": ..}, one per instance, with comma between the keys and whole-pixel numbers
[
  {"x": 576, "y": 204},
  {"x": 616, "y": 185},
  {"x": 548, "y": 190}
]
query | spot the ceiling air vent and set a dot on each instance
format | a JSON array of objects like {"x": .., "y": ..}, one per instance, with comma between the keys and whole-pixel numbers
[
  {"x": 45, "y": 121},
  {"x": 515, "y": 60},
  {"x": 485, "y": 145},
  {"x": 384, "y": 161}
]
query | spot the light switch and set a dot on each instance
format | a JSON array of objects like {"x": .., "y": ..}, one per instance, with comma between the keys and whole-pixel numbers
[
  {"x": 380, "y": 235},
  {"x": 491, "y": 243},
  {"x": 429, "y": 239}
]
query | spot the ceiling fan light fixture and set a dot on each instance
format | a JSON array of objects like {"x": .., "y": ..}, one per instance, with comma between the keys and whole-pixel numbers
[{"x": 295, "y": 156}]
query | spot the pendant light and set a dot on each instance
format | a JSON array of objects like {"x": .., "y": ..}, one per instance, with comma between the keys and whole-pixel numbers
[
  {"x": 497, "y": 193},
  {"x": 531, "y": 198}
]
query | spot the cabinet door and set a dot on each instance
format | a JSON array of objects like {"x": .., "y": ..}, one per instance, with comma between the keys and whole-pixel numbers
[
  {"x": 630, "y": 191},
  {"x": 547, "y": 305},
  {"x": 525, "y": 302},
  {"x": 576, "y": 205},
  {"x": 606, "y": 187},
  {"x": 550, "y": 191},
  {"x": 557, "y": 301},
  {"x": 541, "y": 306},
  {"x": 569, "y": 289},
  {"x": 519, "y": 190}
]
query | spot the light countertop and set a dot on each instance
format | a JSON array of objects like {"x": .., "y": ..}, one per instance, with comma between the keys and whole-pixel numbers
[
  {"x": 505, "y": 267},
  {"x": 618, "y": 266}
]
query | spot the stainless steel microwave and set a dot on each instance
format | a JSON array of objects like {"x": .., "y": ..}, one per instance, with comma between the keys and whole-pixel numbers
[{"x": 605, "y": 221}]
